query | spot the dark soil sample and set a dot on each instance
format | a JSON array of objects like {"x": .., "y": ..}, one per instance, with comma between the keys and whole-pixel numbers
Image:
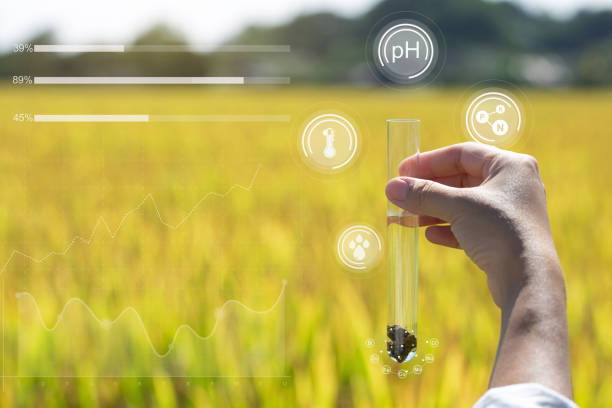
[{"x": 401, "y": 344}]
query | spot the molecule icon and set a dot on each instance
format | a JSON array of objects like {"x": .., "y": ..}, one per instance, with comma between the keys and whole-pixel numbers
[
  {"x": 493, "y": 118},
  {"x": 499, "y": 127}
]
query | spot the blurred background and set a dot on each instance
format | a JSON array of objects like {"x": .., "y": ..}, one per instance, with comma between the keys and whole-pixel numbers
[
  {"x": 190, "y": 263},
  {"x": 543, "y": 44}
]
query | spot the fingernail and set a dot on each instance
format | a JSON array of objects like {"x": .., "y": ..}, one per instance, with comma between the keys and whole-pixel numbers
[{"x": 398, "y": 188}]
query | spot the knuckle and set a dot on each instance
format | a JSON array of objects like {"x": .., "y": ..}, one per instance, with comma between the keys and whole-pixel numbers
[
  {"x": 489, "y": 162},
  {"x": 523, "y": 164},
  {"x": 530, "y": 165},
  {"x": 530, "y": 162}
]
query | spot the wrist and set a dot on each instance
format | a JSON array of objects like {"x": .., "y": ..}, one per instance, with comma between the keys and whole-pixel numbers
[
  {"x": 540, "y": 289},
  {"x": 536, "y": 272},
  {"x": 534, "y": 340},
  {"x": 533, "y": 259}
]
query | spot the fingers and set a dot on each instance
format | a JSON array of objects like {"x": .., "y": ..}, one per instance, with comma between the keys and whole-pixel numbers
[
  {"x": 469, "y": 158},
  {"x": 442, "y": 235},
  {"x": 425, "y": 197}
]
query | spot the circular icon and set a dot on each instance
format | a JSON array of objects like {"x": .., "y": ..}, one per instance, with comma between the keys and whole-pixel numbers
[
  {"x": 493, "y": 117},
  {"x": 359, "y": 248},
  {"x": 417, "y": 369},
  {"x": 405, "y": 51},
  {"x": 329, "y": 143},
  {"x": 374, "y": 358},
  {"x": 402, "y": 373},
  {"x": 429, "y": 358},
  {"x": 434, "y": 342}
]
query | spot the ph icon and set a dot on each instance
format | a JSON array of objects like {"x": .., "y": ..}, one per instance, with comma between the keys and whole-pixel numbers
[
  {"x": 399, "y": 52},
  {"x": 405, "y": 51}
]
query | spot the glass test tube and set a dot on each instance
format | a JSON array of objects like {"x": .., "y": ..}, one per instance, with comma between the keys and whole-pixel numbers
[{"x": 402, "y": 245}]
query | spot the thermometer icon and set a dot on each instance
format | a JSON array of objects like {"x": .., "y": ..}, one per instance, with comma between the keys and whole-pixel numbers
[{"x": 329, "y": 151}]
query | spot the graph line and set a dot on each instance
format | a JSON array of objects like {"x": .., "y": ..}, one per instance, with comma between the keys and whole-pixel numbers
[
  {"x": 107, "y": 324},
  {"x": 102, "y": 222}
]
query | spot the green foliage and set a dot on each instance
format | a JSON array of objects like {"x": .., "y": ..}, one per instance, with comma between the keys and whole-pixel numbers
[{"x": 484, "y": 40}]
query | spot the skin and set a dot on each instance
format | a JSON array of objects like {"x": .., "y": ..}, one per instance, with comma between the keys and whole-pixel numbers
[{"x": 492, "y": 204}]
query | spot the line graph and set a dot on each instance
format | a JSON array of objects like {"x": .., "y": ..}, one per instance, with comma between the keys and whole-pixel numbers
[
  {"x": 113, "y": 233},
  {"x": 130, "y": 312},
  {"x": 107, "y": 324}
]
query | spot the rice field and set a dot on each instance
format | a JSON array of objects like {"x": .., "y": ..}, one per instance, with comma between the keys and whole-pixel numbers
[{"x": 192, "y": 264}]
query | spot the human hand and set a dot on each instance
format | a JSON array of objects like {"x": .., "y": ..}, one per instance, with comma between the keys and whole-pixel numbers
[{"x": 495, "y": 203}]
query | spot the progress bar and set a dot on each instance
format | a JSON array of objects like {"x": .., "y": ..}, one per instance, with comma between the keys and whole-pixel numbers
[
  {"x": 207, "y": 80},
  {"x": 161, "y": 118},
  {"x": 198, "y": 48},
  {"x": 91, "y": 118}
]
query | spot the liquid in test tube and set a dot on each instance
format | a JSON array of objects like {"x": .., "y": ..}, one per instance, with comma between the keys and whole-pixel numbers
[{"x": 402, "y": 247}]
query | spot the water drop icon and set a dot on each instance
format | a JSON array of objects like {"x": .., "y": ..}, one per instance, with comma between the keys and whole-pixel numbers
[
  {"x": 359, "y": 248},
  {"x": 359, "y": 253}
]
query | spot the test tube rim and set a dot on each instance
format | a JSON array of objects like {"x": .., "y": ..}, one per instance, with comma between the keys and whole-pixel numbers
[{"x": 404, "y": 120}]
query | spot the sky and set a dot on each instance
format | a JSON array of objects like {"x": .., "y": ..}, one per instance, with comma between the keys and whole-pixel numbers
[{"x": 202, "y": 21}]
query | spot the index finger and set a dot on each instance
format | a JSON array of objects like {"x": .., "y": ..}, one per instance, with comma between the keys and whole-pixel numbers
[{"x": 464, "y": 158}]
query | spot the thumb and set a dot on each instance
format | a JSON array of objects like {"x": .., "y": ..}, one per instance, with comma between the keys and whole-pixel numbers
[{"x": 424, "y": 197}]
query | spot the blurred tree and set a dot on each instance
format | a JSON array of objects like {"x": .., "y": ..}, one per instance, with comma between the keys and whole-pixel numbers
[{"x": 483, "y": 39}]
